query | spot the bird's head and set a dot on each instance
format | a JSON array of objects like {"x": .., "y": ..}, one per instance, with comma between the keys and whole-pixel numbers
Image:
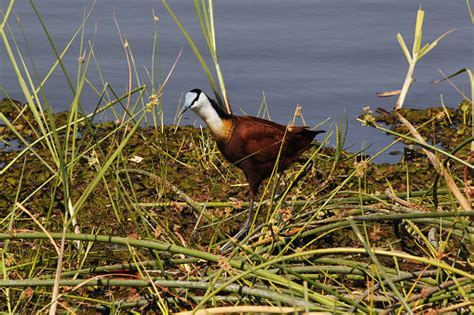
[
  {"x": 204, "y": 106},
  {"x": 194, "y": 100}
]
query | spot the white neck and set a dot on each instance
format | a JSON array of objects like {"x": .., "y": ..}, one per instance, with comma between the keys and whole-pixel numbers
[{"x": 210, "y": 116}]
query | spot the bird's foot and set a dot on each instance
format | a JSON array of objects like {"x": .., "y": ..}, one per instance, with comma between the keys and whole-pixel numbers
[
  {"x": 227, "y": 246},
  {"x": 243, "y": 231}
]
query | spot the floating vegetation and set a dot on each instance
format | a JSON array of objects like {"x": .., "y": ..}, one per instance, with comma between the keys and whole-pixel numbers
[
  {"x": 171, "y": 198},
  {"x": 443, "y": 126}
]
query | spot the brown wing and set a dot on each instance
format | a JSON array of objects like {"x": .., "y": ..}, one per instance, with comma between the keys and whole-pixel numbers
[
  {"x": 300, "y": 130},
  {"x": 260, "y": 139},
  {"x": 255, "y": 145}
]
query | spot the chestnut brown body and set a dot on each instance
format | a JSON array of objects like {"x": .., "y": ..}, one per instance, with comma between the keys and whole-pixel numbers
[{"x": 255, "y": 145}]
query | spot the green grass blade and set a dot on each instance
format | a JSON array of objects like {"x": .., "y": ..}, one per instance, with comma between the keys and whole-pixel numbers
[
  {"x": 371, "y": 254},
  {"x": 196, "y": 53},
  {"x": 82, "y": 119},
  {"x": 25, "y": 142},
  {"x": 51, "y": 42},
  {"x": 427, "y": 48},
  {"x": 404, "y": 48},
  {"x": 80, "y": 202},
  {"x": 470, "y": 11},
  {"x": 425, "y": 145},
  {"x": 35, "y": 109},
  {"x": 418, "y": 32},
  {"x": 202, "y": 17},
  {"x": 6, "y": 15}
]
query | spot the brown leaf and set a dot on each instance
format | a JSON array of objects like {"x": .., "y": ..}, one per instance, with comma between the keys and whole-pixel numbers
[{"x": 389, "y": 93}]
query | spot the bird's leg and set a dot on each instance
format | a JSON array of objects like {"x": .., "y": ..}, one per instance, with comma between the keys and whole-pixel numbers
[
  {"x": 246, "y": 227},
  {"x": 243, "y": 231}
]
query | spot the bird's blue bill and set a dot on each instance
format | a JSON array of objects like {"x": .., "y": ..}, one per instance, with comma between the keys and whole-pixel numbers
[
  {"x": 189, "y": 99},
  {"x": 184, "y": 110}
]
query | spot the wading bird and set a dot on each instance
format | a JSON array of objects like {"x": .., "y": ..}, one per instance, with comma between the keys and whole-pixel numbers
[{"x": 251, "y": 143}]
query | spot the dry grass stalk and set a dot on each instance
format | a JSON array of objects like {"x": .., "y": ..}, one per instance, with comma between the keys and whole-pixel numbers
[{"x": 465, "y": 205}]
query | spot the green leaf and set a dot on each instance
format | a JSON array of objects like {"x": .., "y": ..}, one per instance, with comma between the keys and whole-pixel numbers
[
  {"x": 453, "y": 75},
  {"x": 404, "y": 48},
  {"x": 202, "y": 17},
  {"x": 418, "y": 32},
  {"x": 6, "y": 15},
  {"x": 427, "y": 48},
  {"x": 471, "y": 79},
  {"x": 470, "y": 11}
]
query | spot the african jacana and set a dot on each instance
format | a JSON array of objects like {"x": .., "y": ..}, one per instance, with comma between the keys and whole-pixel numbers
[{"x": 253, "y": 144}]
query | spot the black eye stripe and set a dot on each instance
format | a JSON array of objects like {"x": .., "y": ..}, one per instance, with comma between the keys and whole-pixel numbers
[
  {"x": 195, "y": 99},
  {"x": 198, "y": 93}
]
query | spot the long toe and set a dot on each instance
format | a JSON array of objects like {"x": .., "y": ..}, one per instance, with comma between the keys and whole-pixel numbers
[{"x": 227, "y": 246}]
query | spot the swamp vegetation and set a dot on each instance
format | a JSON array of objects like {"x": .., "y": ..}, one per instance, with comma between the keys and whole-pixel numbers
[
  {"x": 128, "y": 217},
  {"x": 174, "y": 187}
]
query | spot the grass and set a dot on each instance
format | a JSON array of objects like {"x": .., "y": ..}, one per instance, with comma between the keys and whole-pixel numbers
[{"x": 128, "y": 217}]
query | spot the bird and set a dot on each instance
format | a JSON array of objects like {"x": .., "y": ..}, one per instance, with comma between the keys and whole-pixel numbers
[{"x": 252, "y": 144}]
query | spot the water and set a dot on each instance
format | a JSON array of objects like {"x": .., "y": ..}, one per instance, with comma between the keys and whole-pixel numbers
[{"x": 331, "y": 56}]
